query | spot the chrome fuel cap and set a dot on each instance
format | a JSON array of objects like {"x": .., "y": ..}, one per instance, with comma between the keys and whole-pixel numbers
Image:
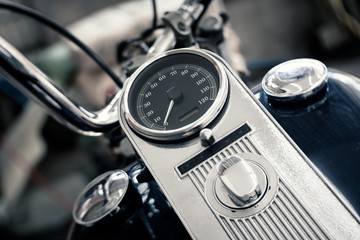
[
  {"x": 240, "y": 184},
  {"x": 295, "y": 80},
  {"x": 101, "y": 197}
]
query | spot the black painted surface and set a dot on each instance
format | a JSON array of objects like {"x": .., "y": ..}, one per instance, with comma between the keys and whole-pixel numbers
[{"x": 329, "y": 134}]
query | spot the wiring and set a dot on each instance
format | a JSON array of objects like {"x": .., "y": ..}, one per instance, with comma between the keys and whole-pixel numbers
[
  {"x": 18, "y": 8},
  {"x": 155, "y": 14}
]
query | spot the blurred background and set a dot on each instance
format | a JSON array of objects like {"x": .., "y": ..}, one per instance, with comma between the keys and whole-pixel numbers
[{"x": 44, "y": 166}]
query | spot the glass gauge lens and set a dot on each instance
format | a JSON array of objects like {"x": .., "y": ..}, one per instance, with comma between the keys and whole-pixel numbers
[
  {"x": 100, "y": 197},
  {"x": 172, "y": 93}
]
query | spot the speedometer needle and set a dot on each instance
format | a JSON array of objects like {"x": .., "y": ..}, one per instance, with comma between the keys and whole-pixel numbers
[{"x": 168, "y": 112}]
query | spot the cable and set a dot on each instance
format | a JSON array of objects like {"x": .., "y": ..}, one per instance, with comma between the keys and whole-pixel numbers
[
  {"x": 46, "y": 21},
  {"x": 155, "y": 14}
]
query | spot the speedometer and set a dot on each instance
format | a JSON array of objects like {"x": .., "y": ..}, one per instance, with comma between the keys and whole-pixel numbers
[{"x": 175, "y": 94}]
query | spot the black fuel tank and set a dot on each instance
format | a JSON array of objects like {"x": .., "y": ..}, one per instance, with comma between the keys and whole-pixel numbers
[{"x": 326, "y": 127}]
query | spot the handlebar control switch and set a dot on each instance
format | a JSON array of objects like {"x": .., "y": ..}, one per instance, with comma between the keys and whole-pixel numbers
[{"x": 240, "y": 183}]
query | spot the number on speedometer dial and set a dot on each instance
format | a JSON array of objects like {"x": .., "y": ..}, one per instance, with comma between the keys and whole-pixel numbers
[{"x": 175, "y": 94}]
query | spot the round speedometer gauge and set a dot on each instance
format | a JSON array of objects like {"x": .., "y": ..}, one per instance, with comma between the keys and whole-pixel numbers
[{"x": 175, "y": 94}]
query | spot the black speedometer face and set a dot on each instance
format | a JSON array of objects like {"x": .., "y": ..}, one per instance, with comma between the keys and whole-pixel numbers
[
  {"x": 175, "y": 96},
  {"x": 172, "y": 93}
]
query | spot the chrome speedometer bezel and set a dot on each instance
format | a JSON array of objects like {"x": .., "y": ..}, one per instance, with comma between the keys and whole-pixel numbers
[{"x": 189, "y": 129}]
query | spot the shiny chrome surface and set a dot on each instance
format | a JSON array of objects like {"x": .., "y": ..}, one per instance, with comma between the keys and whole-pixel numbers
[
  {"x": 189, "y": 129},
  {"x": 188, "y": 11},
  {"x": 164, "y": 42},
  {"x": 329, "y": 134},
  {"x": 241, "y": 180},
  {"x": 206, "y": 137},
  {"x": 100, "y": 197},
  {"x": 290, "y": 208},
  {"x": 35, "y": 84},
  {"x": 295, "y": 80},
  {"x": 218, "y": 196}
]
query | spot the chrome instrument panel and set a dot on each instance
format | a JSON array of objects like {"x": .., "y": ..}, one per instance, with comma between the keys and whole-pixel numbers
[{"x": 297, "y": 203}]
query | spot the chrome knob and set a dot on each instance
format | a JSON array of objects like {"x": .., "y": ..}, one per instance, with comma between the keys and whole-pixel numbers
[
  {"x": 206, "y": 137},
  {"x": 240, "y": 181},
  {"x": 295, "y": 80}
]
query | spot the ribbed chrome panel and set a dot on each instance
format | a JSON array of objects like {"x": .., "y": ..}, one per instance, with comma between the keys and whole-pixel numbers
[
  {"x": 199, "y": 174},
  {"x": 284, "y": 218}
]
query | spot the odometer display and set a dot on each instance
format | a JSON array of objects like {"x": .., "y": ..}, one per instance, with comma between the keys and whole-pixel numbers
[{"x": 168, "y": 98}]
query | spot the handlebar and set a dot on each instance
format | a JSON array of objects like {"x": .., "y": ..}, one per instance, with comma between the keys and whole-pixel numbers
[
  {"x": 35, "y": 84},
  {"x": 190, "y": 11},
  {"x": 18, "y": 70}
]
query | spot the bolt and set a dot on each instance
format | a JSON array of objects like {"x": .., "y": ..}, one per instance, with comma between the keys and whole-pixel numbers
[{"x": 181, "y": 26}]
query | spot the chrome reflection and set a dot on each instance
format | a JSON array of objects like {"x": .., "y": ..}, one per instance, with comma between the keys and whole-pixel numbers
[
  {"x": 295, "y": 80},
  {"x": 100, "y": 197},
  {"x": 18, "y": 70}
]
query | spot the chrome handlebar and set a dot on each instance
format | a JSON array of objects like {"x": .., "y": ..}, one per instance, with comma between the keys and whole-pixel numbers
[
  {"x": 30, "y": 80},
  {"x": 189, "y": 11},
  {"x": 18, "y": 70}
]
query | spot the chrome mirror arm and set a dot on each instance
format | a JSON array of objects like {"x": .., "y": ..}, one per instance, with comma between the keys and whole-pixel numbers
[{"x": 31, "y": 81}]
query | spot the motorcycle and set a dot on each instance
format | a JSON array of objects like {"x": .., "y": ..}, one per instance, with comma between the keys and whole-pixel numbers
[{"x": 212, "y": 158}]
